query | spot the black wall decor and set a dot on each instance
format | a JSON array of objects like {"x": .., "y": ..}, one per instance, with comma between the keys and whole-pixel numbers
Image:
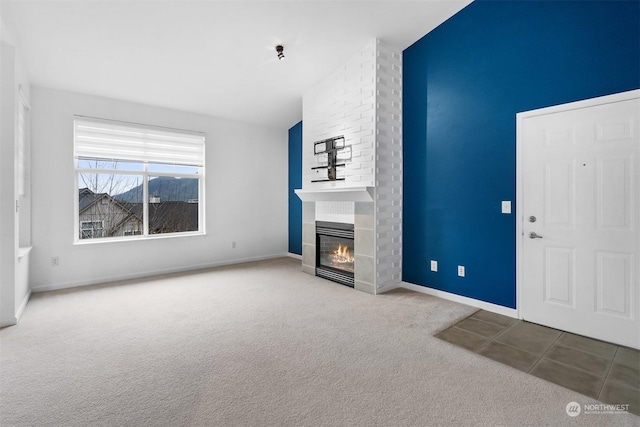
[{"x": 329, "y": 147}]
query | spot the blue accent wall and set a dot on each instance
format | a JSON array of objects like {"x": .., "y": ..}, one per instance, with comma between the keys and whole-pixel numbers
[
  {"x": 463, "y": 84},
  {"x": 295, "y": 181}
]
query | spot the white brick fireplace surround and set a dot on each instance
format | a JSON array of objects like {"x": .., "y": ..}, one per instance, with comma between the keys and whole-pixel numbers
[{"x": 362, "y": 100}]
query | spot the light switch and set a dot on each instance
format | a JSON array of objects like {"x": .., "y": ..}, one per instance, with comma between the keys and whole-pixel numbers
[{"x": 506, "y": 206}]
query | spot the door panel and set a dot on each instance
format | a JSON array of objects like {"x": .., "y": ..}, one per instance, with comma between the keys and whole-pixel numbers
[
  {"x": 579, "y": 173},
  {"x": 559, "y": 193},
  {"x": 613, "y": 284},
  {"x": 560, "y": 276},
  {"x": 613, "y": 193}
]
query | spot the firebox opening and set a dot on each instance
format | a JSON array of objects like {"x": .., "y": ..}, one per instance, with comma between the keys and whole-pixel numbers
[{"x": 335, "y": 255}]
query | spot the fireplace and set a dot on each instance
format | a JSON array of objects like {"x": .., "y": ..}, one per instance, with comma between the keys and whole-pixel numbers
[{"x": 335, "y": 255}]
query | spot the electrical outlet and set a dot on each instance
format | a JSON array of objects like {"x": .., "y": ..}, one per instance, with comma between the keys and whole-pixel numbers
[
  {"x": 434, "y": 265},
  {"x": 55, "y": 261},
  {"x": 461, "y": 270},
  {"x": 233, "y": 244}
]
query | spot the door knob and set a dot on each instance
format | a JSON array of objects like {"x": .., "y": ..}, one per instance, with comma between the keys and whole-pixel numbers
[{"x": 533, "y": 235}]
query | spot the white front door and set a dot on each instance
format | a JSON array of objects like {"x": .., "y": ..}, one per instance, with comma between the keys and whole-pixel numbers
[{"x": 579, "y": 207}]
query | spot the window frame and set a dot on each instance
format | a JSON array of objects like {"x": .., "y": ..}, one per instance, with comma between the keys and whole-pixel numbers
[{"x": 146, "y": 175}]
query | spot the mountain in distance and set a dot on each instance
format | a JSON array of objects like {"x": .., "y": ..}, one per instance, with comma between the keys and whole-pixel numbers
[{"x": 169, "y": 189}]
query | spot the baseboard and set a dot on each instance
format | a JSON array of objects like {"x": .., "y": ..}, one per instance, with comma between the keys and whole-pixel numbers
[
  {"x": 296, "y": 256},
  {"x": 13, "y": 320},
  {"x": 495, "y": 308},
  {"x": 101, "y": 280},
  {"x": 23, "y": 306}
]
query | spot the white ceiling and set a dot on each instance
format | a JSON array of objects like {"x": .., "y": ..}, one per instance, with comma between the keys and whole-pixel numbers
[{"x": 211, "y": 57}]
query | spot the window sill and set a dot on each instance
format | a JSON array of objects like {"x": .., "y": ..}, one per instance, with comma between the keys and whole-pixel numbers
[{"x": 151, "y": 237}]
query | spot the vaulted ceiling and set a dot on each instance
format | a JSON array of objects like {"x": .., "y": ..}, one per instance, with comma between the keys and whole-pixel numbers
[{"x": 211, "y": 57}]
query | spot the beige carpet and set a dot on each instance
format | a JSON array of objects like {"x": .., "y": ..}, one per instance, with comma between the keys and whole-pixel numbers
[{"x": 258, "y": 344}]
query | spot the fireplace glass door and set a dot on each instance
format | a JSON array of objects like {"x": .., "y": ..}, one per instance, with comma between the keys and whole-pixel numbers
[{"x": 335, "y": 257}]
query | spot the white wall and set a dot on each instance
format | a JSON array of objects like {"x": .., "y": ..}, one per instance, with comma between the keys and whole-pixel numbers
[
  {"x": 343, "y": 103},
  {"x": 14, "y": 226},
  {"x": 388, "y": 167},
  {"x": 246, "y": 195},
  {"x": 8, "y": 254}
]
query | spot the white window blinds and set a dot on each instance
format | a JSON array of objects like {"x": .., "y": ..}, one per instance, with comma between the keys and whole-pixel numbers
[{"x": 110, "y": 140}]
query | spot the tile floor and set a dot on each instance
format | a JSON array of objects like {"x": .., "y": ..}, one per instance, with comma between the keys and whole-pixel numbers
[{"x": 600, "y": 370}]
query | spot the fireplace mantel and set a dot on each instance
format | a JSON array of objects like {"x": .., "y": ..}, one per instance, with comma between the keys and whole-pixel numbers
[{"x": 350, "y": 194}]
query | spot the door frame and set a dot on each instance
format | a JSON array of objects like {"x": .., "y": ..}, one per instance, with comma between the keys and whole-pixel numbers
[{"x": 520, "y": 118}]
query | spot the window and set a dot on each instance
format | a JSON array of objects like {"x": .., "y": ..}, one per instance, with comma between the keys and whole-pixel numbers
[
  {"x": 91, "y": 229},
  {"x": 135, "y": 181}
]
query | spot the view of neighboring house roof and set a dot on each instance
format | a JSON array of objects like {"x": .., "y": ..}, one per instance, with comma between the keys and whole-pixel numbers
[
  {"x": 88, "y": 198},
  {"x": 171, "y": 215},
  {"x": 163, "y": 216}
]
